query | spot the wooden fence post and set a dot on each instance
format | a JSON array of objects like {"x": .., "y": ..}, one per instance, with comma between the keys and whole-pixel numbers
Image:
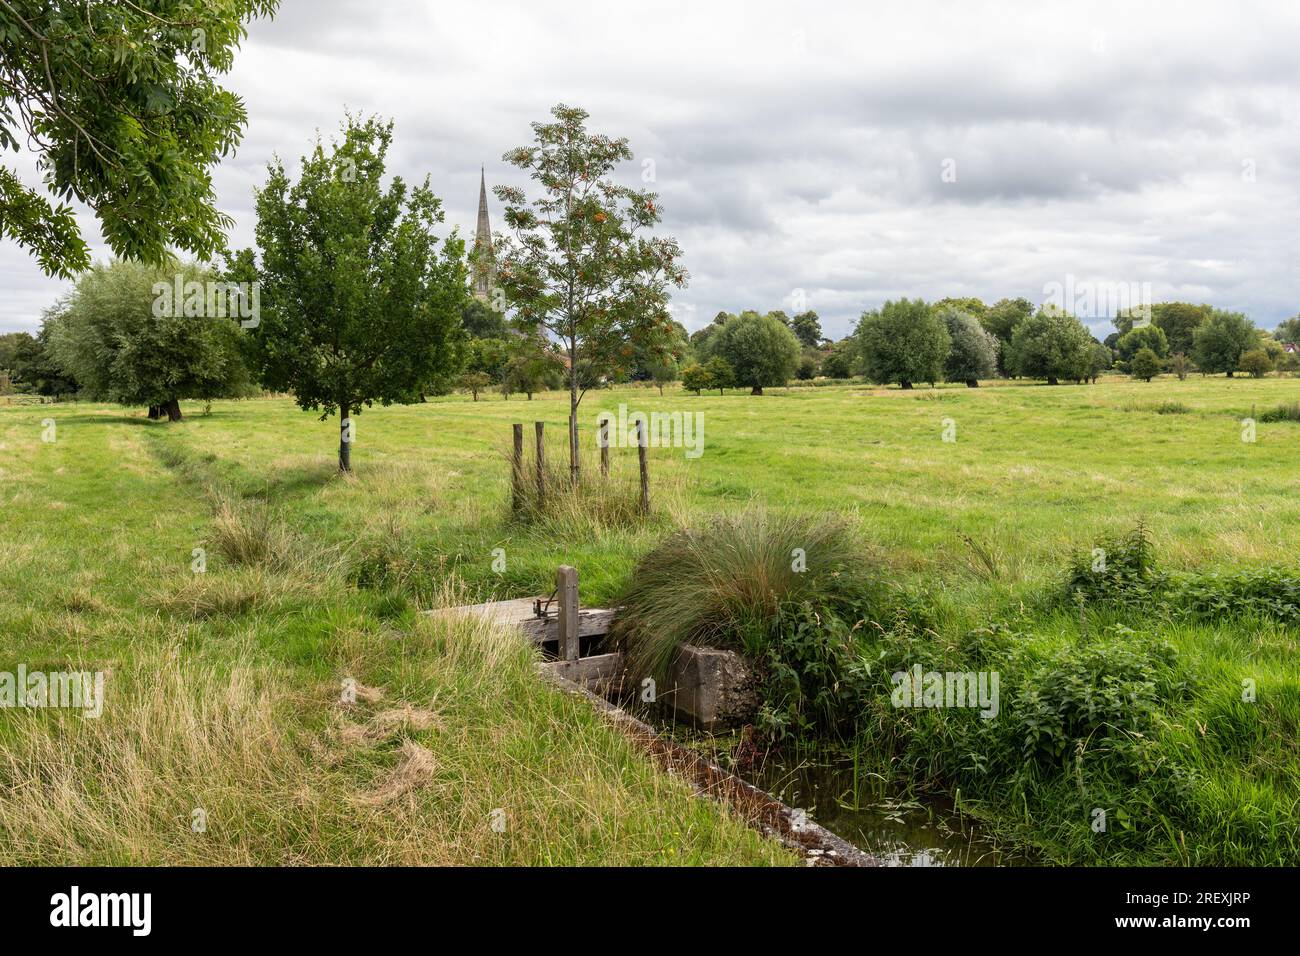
[
  {"x": 540, "y": 428},
  {"x": 517, "y": 470},
  {"x": 566, "y": 595},
  {"x": 604, "y": 447},
  {"x": 641, "y": 441}
]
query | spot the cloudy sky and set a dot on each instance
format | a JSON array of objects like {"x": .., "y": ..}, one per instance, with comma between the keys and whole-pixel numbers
[{"x": 832, "y": 155}]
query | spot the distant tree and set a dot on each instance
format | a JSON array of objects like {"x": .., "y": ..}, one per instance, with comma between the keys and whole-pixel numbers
[
  {"x": 116, "y": 337},
  {"x": 531, "y": 366},
  {"x": 1256, "y": 363},
  {"x": 838, "y": 362},
  {"x": 1288, "y": 332},
  {"x": 974, "y": 352},
  {"x": 1100, "y": 358},
  {"x": 1051, "y": 345},
  {"x": 1275, "y": 350},
  {"x": 481, "y": 321},
  {"x": 1145, "y": 364},
  {"x": 760, "y": 350},
  {"x": 489, "y": 356},
  {"x": 35, "y": 370},
  {"x": 806, "y": 370},
  {"x": 361, "y": 302},
  {"x": 1222, "y": 339},
  {"x": 1001, "y": 319},
  {"x": 1180, "y": 365},
  {"x": 696, "y": 378},
  {"x": 119, "y": 101},
  {"x": 720, "y": 373},
  {"x": 1142, "y": 337},
  {"x": 475, "y": 382},
  {"x": 807, "y": 328},
  {"x": 10, "y": 342},
  {"x": 971, "y": 305},
  {"x": 1179, "y": 321},
  {"x": 903, "y": 341},
  {"x": 582, "y": 265}
]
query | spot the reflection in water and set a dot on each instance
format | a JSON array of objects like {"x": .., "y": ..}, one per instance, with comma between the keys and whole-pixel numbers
[{"x": 899, "y": 832}]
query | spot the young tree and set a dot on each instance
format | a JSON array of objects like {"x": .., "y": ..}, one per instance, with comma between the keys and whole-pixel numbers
[
  {"x": 1053, "y": 345},
  {"x": 124, "y": 344},
  {"x": 1145, "y": 364},
  {"x": 1142, "y": 337},
  {"x": 35, "y": 370},
  {"x": 1180, "y": 365},
  {"x": 1255, "y": 363},
  {"x": 120, "y": 103},
  {"x": 720, "y": 373},
  {"x": 531, "y": 366},
  {"x": 361, "y": 302},
  {"x": 974, "y": 353},
  {"x": 582, "y": 265},
  {"x": 760, "y": 350},
  {"x": 1222, "y": 339},
  {"x": 903, "y": 342},
  {"x": 474, "y": 382},
  {"x": 1100, "y": 358},
  {"x": 695, "y": 378}
]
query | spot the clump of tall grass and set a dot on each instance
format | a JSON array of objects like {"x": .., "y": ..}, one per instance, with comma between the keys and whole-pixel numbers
[
  {"x": 724, "y": 583},
  {"x": 249, "y": 533},
  {"x": 1286, "y": 412}
]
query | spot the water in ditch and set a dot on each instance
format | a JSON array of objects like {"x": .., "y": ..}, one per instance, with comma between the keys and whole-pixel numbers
[{"x": 898, "y": 831}]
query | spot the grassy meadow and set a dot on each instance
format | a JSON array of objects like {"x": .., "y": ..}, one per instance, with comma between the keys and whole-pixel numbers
[{"x": 223, "y": 691}]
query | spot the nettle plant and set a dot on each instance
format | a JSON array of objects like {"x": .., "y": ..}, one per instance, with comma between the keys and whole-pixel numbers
[{"x": 582, "y": 266}]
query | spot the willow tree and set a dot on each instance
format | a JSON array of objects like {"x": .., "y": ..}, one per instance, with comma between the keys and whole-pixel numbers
[
  {"x": 581, "y": 265},
  {"x": 360, "y": 300}
]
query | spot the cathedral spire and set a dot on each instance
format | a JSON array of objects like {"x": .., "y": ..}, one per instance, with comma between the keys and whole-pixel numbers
[{"x": 484, "y": 265}]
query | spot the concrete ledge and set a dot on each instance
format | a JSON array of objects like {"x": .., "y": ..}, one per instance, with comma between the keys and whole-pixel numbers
[{"x": 712, "y": 688}]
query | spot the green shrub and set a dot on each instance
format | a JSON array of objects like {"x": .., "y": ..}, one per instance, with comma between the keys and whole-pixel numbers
[
  {"x": 1171, "y": 408},
  {"x": 1263, "y": 592},
  {"x": 1120, "y": 569},
  {"x": 1283, "y": 413}
]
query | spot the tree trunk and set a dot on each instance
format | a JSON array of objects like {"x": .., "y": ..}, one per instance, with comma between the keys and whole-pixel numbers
[
  {"x": 1051, "y": 380},
  {"x": 345, "y": 442},
  {"x": 475, "y": 394},
  {"x": 530, "y": 396},
  {"x": 756, "y": 390},
  {"x": 1229, "y": 373},
  {"x": 173, "y": 409},
  {"x": 972, "y": 383},
  {"x": 155, "y": 412},
  {"x": 661, "y": 391},
  {"x": 904, "y": 384},
  {"x": 575, "y": 468}
]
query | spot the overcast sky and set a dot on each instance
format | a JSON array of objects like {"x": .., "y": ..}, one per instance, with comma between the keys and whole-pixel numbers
[{"x": 843, "y": 152}]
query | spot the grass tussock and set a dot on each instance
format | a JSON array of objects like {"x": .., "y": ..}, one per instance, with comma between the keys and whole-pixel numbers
[
  {"x": 1286, "y": 412},
  {"x": 723, "y": 583},
  {"x": 250, "y": 533}
]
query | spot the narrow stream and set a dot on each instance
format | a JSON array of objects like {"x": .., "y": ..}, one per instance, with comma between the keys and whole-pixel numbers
[{"x": 901, "y": 832}]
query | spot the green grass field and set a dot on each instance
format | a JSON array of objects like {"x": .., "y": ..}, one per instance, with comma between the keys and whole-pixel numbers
[{"x": 223, "y": 686}]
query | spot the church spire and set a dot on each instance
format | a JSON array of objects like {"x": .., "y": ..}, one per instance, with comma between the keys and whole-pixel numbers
[{"x": 484, "y": 265}]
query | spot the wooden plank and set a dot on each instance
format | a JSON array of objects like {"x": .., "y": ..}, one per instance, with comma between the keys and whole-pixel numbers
[
  {"x": 566, "y": 597},
  {"x": 592, "y": 622},
  {"x": 602, "y": 673}
]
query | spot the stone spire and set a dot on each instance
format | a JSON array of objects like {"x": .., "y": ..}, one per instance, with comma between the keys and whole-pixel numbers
[{"x": 484, "y": 264}]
